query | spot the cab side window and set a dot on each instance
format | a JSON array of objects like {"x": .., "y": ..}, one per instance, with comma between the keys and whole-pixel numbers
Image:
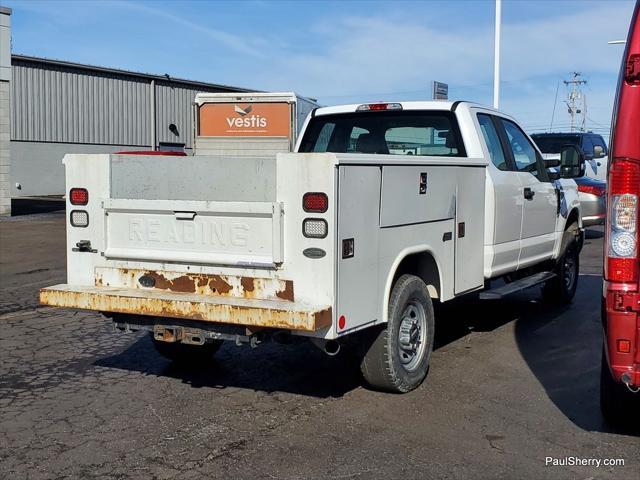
[
  {"x": 492, "y": 140},
  {"x": 587, "y": 146},
  {"x": 524, "y": 153},
  {"x": 597, "y": 140}
]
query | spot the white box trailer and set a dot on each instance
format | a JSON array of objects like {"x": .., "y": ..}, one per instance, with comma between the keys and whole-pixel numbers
[
  {"x": 350, "y": 237},
  {"x": 245, "y": 124}
]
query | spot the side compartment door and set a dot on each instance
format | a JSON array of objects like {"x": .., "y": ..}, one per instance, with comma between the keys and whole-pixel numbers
[
  {"x": 358, "y": 226},
  {"x": 540, "y": 211},
  {"x": 504, "y": 202}
]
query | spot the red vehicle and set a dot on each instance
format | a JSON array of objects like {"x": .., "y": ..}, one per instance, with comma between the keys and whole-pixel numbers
[{"x": 620, "y": 374}]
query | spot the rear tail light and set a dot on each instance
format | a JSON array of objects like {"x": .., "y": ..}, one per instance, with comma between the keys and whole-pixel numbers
[
  {"x": 376, "y": 107},
  {"x": 625, "y": 212},
  {"x": 316, "y": 202},
  {"x": 592, "y": 189},
  {"x": 622, "y": 234},
  {"x": 624, "y": 346},
  {"x": 79, "y": 196},
  {"x": 79, "y": 218},
  {"x": 314, "y": 228}
]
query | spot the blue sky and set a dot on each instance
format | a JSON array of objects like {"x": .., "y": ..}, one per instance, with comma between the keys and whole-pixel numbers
[{"x": 348, "y": 51}]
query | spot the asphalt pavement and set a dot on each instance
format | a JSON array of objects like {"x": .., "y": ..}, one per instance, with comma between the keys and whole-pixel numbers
[{"x": 513, "y": 389}]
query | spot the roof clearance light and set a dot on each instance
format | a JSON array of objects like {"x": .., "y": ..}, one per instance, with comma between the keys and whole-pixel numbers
[{"x": 376, "y": 107}]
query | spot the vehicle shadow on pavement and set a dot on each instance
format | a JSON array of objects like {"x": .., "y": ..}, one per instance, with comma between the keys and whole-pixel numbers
[
  {"x": 560, "y": 344},
  {"x": 592, "y": 233},
  {"x": 298, "y": 368},
  {"x": 562, "y": 347}
]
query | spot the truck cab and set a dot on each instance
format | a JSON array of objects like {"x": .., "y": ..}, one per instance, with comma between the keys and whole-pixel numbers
[
  {"x": 382, "y": 210},
  {"x": 593, "y": 146}
]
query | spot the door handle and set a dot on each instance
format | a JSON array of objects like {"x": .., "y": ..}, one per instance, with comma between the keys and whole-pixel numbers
[{"x": 528, "y": 193}]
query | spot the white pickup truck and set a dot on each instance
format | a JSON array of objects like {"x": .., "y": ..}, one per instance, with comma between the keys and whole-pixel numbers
[{"x": 383, "y": 210}]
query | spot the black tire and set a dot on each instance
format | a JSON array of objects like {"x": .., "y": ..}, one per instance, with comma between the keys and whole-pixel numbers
[
  {"x": 616, "y": 401},
  {"x": 386, "y": 365},
  {"x": 185, "y": 354},
  {"x": 562, "y": 288}
]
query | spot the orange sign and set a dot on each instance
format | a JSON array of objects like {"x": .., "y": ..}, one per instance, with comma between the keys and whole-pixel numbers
[{"x": 245, "y": 120}]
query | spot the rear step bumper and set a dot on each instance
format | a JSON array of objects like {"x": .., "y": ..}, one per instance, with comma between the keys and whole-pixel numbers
[{"x": 208, "y": 308}]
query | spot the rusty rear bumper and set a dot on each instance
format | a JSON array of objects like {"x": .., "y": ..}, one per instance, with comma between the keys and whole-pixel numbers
[{"x": 208, "y": 308}]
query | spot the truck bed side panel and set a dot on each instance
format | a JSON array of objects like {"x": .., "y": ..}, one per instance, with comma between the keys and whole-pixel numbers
[{"x": 409, "y": 222}]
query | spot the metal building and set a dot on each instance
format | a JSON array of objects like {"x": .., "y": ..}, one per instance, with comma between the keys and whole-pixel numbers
[
  {"x": 59, "y": 107},
  {"x": 5, "y": 88}
]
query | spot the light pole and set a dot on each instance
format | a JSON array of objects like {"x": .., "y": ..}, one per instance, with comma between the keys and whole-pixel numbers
[{"x": 496, "y": 56}]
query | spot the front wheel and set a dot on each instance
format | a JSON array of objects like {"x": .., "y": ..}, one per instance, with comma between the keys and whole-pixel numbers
[
  {"x": 397, "y": 359},
  {"x": 562, "y": 288}
]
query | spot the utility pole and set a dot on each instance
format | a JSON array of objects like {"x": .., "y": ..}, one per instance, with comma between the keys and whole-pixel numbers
[
  {"x": 496, "y": 56},
  {"x": 577, "y": 102}
]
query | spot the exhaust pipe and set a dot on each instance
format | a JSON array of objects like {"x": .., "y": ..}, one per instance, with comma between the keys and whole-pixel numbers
[{"x": 330, "y": 347}]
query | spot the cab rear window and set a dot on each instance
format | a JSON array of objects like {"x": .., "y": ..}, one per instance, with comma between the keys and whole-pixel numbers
[{"x": 387, "y": 133}]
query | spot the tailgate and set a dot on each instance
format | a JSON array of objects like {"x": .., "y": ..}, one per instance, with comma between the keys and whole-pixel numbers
[{"x": 204, "y": 232}]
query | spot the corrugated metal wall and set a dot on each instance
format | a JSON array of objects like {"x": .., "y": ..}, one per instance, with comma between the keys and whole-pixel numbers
[
  {"x": 53, "y": 103},
  {"x": 57, "y": 104},
  {"x": 174, "y": 105}
]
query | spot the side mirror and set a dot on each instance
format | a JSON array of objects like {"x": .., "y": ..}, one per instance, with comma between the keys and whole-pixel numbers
[
  {"x": 598, "y": 151},
  {"x": 572, "y": 162},
  {"x": 551, "y": 163}
]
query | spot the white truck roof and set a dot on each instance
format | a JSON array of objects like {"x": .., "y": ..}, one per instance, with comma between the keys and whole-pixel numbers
[{"x": 412, "y": 105}]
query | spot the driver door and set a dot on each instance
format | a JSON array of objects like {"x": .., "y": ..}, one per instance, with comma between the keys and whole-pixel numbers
[{"x": 537, "y": 234}]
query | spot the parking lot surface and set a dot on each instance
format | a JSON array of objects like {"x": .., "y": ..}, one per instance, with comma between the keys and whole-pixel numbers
[{"x": 511, "y": 383}]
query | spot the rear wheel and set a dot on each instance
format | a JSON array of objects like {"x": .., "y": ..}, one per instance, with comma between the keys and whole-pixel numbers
[
  {"x": 186, "y": 354},
  {"x": 397, "y": 358},
  {"x": 615, "y": 399},
  {"x": 562, "y": 288}
]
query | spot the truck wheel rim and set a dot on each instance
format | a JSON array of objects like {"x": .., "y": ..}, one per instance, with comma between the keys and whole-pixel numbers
[
  {"x": 413, "y": 325},
  {"x": 569, "y": 269}
]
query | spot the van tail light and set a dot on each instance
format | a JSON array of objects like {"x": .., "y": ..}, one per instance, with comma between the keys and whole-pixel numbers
[
  {"x": 79, "y": 196},
  {"x": 598, "y": 190},
  {"x": 315, "y": 202},
  {"x": 622, "y": 262}
]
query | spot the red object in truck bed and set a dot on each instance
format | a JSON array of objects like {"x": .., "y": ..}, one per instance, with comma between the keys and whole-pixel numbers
[{"x": 167, "y": 153}]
